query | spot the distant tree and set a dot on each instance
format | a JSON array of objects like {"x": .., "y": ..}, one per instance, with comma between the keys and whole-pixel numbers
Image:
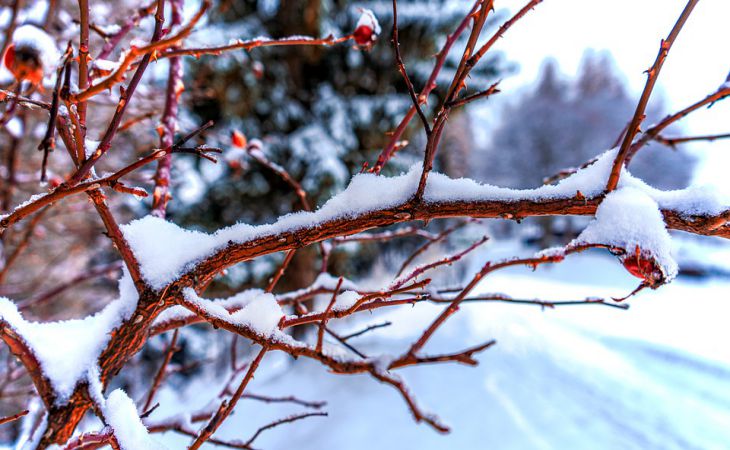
[
  {"x": 561, "y": 122},
  {"x": 320, "y": 112}
]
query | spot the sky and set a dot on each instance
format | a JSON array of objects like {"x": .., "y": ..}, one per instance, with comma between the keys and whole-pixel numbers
[{"x": 631, "y": 31}]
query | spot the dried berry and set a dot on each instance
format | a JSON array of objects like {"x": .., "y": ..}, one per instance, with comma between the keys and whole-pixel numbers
[
  {"x": 643, "y": 267},
  {"x": 238, "y": 139},
  {"x": 24, "y": 63}
]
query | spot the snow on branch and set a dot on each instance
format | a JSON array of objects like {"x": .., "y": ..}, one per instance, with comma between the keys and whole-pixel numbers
[
  {"x": 629, "y": 220},
  {"x": 120, "y": 413},
  {"x": 67, "y": 351},
  {"x": 166, "y": 252},
  {"x": 259, "y": 313},
  {"x": 168, "y": 268}
]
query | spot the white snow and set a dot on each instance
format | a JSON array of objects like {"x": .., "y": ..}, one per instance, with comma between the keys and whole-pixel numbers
[
  {"x": 166, "y": 251},
  {"x": 110, "y": 29},
  {"x": 68, "y": 350},
  {"x": 34, "y": 37},
  {"x": 628, "y": 218},
  {"x": 258, "y": 311},
  {"x": 105, "y": 65},
  {"x": 345, "y": 300},
  {"x": 121, "y": 415},
  {"x": 15, "y": 127},
  {"x": 368, "y": 19}
]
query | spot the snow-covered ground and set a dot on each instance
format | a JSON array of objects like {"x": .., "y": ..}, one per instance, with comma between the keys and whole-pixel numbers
[{"x": 654, "y": 377}]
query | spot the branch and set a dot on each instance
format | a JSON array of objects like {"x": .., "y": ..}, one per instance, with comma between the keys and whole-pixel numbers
[
  {"x": 127, "y": 93},
  {"x": 673, "y": 141},
  {"x": 392, "y": 145},
  {"x": 282, "y": 240},
  {"x": 420, "y": 250},
  {"x": 226, "y": 407},
  {"x": 447, "y": 260},
  {"x": 255, "y": 43},
  {"x": 720, "y": 94},
  {"x": 402, "y": 69},
  {"x": 111, "y": 181},
  {"x": 652, "y": 133},
  {"x": 13, "y": 418},
  {"x": 325, "y": 318},
  {"x": 162, "y": 371},
  {"x": 289, "y": 399},
  {"x": 488, "y": 268},
  {"x": 289, "y": 419},
  {"x": 134, "y": 52},
  {"x": 652, "y": 75},
  {"x": 470, "y": 98},
  {"x": 161, "y": 192}
]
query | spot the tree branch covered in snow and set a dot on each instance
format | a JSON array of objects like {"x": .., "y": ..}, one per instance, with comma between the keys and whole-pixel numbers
[{"x": 167, "y": 269}]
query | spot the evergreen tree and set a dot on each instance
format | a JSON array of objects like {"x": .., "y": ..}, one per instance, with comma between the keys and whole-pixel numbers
[{"x": 320, "y": 112}]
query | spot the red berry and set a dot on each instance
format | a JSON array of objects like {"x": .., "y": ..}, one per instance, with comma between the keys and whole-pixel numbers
[
  {"x": 238, "y": 139},
  {"x": 55, "y": 181},
  {"x": 643, "y": 268},
  {"x": 9, "y": 57},
  {"x": 24, "y": 63},
  {"x": 363, "y": 35}
]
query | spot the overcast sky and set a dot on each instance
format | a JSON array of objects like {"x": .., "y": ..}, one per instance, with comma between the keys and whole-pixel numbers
[{"x": 631, "y": 31}]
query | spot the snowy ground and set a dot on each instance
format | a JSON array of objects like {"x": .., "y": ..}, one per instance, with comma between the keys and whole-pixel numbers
[{"x": 654, "y": 377}]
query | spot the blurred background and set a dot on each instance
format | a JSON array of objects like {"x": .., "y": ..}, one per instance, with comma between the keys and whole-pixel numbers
[{"x": 654, "y": 376}]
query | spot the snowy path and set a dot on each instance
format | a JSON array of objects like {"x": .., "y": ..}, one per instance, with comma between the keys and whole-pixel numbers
[{"x": 654, "y": 377}]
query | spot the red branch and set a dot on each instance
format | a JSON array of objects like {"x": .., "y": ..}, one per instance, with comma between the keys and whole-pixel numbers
[{"x": 652, "y": 76}]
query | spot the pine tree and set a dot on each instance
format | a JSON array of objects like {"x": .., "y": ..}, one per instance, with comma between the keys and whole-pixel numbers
[{"x": 320, "y": 112}]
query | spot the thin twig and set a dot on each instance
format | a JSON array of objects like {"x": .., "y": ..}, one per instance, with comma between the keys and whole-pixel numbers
[
  {"x": 652, "y": 76},
  {"x": 402, "y": 69},
  {"x": 226, "y": 407}
]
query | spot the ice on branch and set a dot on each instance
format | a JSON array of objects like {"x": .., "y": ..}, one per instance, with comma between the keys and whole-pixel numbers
[
  {"x": 120, "y": 414},
  {"x": 629, "y": 218},
  {"x": 68, "y": 350},
  {"x": 165, "y": 251}
]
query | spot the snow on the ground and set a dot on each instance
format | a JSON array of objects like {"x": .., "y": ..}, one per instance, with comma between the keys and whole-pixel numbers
[{"x": 586, "y": 376}]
